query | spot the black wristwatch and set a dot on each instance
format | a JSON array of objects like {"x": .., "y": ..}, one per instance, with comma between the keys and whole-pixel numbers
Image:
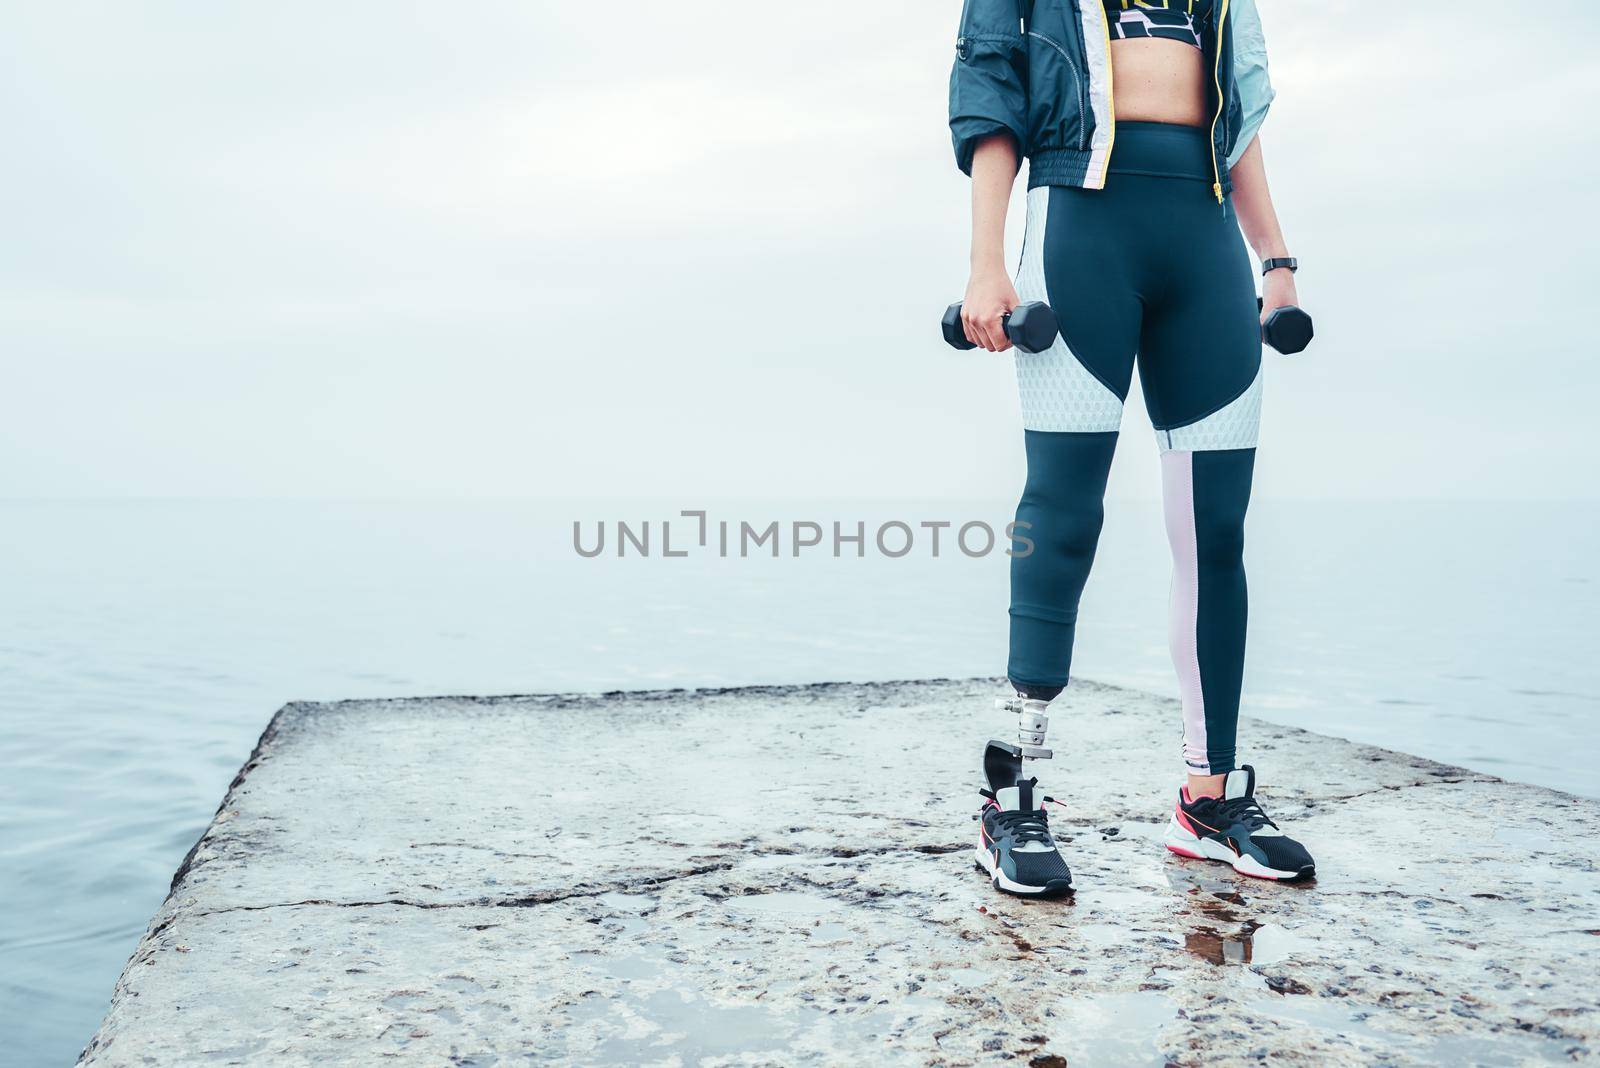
[{"x": 1280, "y": 261}]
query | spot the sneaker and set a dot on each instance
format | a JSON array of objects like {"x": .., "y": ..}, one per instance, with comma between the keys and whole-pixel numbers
[
  {"x": 1233, "y": 829},
  {"x": 1014, "y": 845}
]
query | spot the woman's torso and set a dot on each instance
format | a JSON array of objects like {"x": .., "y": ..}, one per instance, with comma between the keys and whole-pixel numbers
[{"x": 1157, "y": 64}]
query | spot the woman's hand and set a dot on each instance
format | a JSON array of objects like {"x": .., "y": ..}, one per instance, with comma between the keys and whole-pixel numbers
[
  {"x": 1253, "y": 203},
  {"x": 1277, "y": 289},
  {"x": 989, "y": 292},
  {"x": 990, "y": 295}
]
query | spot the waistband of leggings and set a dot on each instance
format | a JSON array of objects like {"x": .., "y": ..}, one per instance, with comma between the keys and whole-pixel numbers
[{"x": 1162, "y": 149}]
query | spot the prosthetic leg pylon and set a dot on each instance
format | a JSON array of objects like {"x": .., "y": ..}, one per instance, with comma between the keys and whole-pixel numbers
[{"x": 1002, "y": 761}]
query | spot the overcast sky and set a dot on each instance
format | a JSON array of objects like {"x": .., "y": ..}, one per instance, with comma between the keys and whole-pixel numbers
[{"x": 365, "y": 249}]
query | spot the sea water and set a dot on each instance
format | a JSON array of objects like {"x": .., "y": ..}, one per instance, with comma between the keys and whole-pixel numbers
[{"x": 144, "y": 645}]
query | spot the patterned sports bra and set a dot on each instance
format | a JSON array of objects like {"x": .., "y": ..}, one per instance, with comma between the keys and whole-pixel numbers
[{"x": 1176, "y": 20}]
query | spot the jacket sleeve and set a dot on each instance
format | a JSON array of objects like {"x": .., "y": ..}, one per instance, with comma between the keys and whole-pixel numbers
[
  {"x": 989, "y": 82},
  {"x": 1250, "y": 73}
]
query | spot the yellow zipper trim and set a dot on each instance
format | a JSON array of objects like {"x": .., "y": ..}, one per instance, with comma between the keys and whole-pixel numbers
[
  {"x": 1216, "y": 77},
  {"x": 1111, "y": 99}
]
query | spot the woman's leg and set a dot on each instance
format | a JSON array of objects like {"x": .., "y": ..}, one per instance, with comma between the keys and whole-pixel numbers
[
  {"x": 1200, "y": 367},
  {"x": 1200, "y": 364},
  {"x": 1217, "y": 816},
  {"x": 1077, "y": 256},
  {"x": 1060, "y": 513},
  {"x": 1072, "y": 398},
  {"x": 1206, "y": 494}
]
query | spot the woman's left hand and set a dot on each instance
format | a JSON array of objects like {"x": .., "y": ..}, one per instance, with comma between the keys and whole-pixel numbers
[{"x": 1277, "y": 289}]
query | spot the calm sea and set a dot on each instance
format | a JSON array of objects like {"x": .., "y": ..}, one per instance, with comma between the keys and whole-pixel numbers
[{"x": 143, "y": 646}]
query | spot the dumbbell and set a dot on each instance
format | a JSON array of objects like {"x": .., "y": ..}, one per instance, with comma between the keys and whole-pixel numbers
[
  {"x": 1031, "y": 326},
  {"x": 1287, "y": 329}
]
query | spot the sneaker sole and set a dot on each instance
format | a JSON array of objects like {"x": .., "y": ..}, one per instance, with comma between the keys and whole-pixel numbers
[
  {"x": 985, "y": 863},
  {"x": 1183, "y": 842}
]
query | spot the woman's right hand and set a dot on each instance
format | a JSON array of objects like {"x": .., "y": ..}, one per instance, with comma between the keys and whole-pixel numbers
[{"x": 990, "y": 295}]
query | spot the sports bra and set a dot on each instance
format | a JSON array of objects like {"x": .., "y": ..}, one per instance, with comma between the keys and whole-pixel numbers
[{"x": 1176, "y": 20}]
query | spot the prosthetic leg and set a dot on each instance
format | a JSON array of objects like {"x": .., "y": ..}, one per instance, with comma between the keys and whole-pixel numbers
[{"x": 1002, "y": 761}]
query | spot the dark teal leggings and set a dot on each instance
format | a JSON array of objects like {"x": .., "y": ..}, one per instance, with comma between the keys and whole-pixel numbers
[{"x": 1149, "y": 272}]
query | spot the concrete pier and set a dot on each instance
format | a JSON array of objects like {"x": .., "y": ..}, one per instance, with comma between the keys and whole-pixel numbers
[{"x": 784, "y": 876}]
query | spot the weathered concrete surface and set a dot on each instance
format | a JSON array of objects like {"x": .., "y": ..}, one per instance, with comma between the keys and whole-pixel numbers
[{"x": 783, "y": 876}]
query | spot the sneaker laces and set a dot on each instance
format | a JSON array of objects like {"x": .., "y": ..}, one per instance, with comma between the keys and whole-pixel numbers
[
  {"x": 1246, "y": 811},
  {"x": 1023, "y": 826}
]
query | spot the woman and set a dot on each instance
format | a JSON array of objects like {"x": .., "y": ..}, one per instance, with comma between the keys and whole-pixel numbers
[{"x": 1139, "y": 120}]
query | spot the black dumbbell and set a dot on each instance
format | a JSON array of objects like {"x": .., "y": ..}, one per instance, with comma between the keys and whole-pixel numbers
[
  {"x": 1031, "y": 326},
  {"x": 1287, "y": 329}
]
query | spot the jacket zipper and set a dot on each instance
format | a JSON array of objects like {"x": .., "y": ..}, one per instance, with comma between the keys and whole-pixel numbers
[
  {"x": 1077, "y": 79},
  {"x": 1111, "y": 91},
  {"x": 1216, "y": 77}
]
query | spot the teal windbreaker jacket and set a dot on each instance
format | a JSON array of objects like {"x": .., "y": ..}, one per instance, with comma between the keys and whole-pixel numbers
[{"x": 1040, "y": 70}]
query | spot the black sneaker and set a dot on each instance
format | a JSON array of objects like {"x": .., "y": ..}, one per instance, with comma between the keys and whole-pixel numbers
[
  {"x": 1014, "y": 845},
  {"x": 1233, "y": 829}
]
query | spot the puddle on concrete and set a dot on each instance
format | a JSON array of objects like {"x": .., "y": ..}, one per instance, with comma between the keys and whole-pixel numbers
[
  {"x": 624, "y": 925},
  {"x": 1504, "y": 1049},
  {"x": 1216, "y": 880},
  {"x": 1322, "y": 1013},
  {"x": 629, "y": 912},
  {"x": 1120, "y": 1029},
  {"x": 1252, "y": 942},
  {"x": 1478, "y": 1048},
  {"x": 676, "y": 1024},
  {"x": 1117, "y": 898},
  {"x": 626, "y": 966},
  {"x": 1220, "y": 927},
  {"x": 1273, "y": 943},
  {"x": 787, "y": 905},
  {"x": 1208, "y": 945},
  {"x": 634, "y": 903},
  {"x": 1527, "y": 839},
  {"x": 1229, "y": 906}
]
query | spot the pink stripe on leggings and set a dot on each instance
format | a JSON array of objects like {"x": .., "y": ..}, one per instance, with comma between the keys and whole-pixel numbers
[{"x": 1177, "y": 491}]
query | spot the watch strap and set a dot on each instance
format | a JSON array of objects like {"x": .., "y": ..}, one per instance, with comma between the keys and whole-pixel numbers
[{"x": 1280, "y": 261}]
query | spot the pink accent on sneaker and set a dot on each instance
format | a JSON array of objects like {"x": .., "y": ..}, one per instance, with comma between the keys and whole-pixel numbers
[{"x": 1183, "y": 821}]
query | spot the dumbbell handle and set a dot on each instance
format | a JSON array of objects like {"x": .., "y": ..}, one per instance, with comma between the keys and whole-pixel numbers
[
  {"x": 964, "y": 344},
  {"x": 1034, "y": 333}
]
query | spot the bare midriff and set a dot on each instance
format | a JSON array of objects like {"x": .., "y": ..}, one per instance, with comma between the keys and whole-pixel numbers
[{"x": 1156, "y": 80}]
